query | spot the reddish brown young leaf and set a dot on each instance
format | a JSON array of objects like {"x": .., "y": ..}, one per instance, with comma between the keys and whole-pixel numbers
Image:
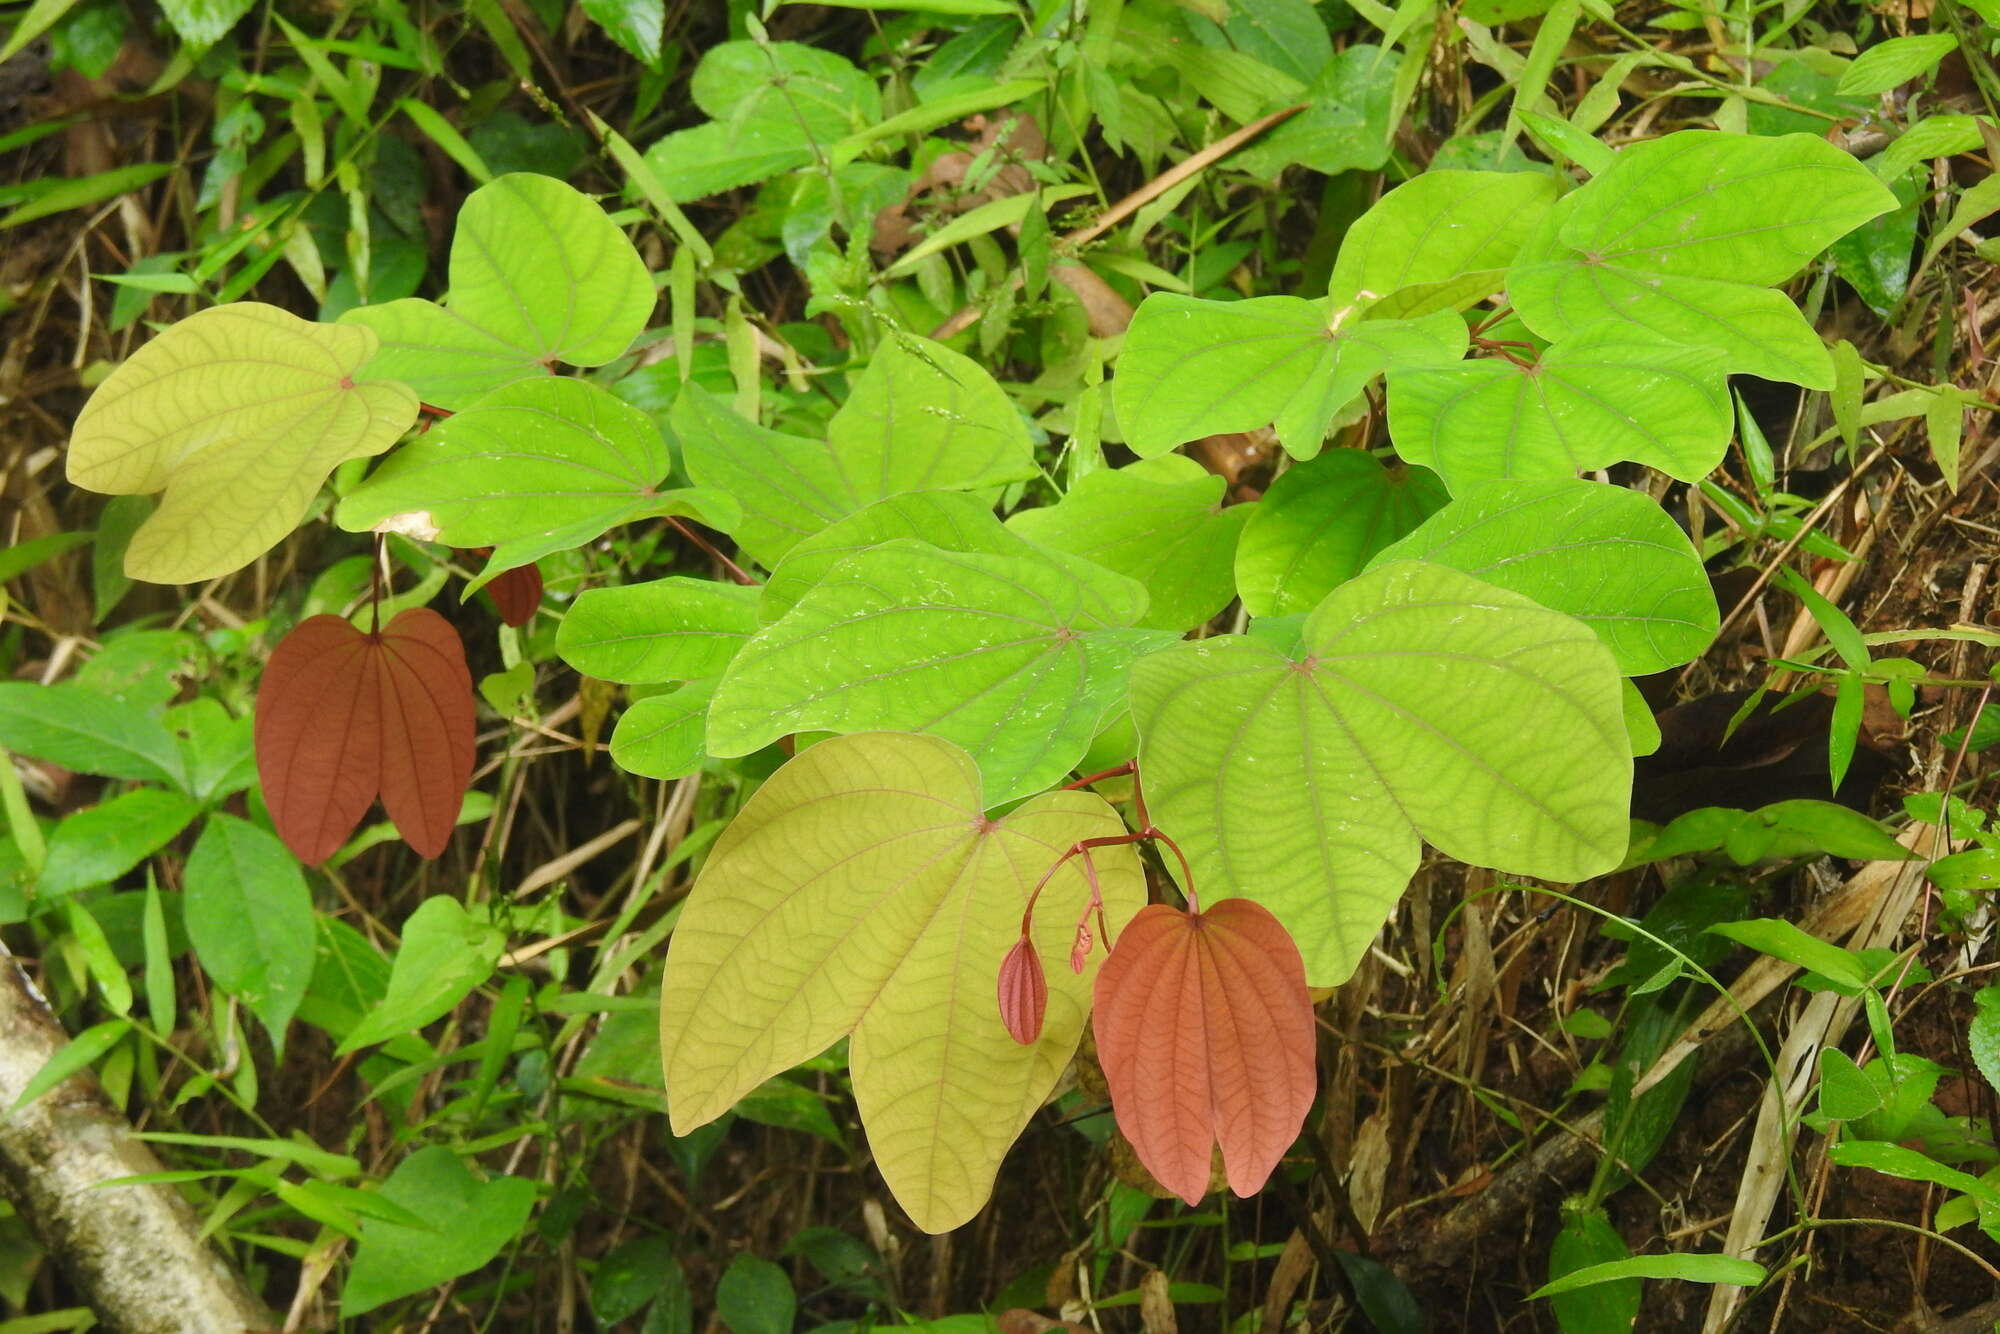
[
  {"x": 1024, "y": 993},
  {"x": 343, "y": 717},
  {"x": 517, "y": 593},
  {"x": 1205, "y": 1033}
]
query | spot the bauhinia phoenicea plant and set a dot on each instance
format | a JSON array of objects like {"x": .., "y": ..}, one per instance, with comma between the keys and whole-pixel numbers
[{"x": 1438, "y": 620}]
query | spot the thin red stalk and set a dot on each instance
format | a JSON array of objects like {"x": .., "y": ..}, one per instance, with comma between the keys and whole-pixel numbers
[
  {"x": 734, "y": 570},
  {"x": 1115, "y": 771}
]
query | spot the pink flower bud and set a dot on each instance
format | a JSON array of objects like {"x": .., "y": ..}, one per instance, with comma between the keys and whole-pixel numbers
[{"x": 1024, "y": 993}]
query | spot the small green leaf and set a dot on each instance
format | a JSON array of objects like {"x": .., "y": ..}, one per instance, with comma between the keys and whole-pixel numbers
[
  {"x": 81, "y": 1051},
  {"x": 1681, "y": 1265},
  {"x": 1896, "y": 61},
  {"x": 637, "y": 25},
  {"x": 755, "y": 1297},
  {"x": 664, "y": 736},
  {"x": 676, "y": 629},
  {"x": 1321, "y": 522},
  {"x": 1587, "y": 1238},
  {"x": 1983, "y": 1035},
  {"x": 445, "y": 953},
  {"x": 1944, "y": 427},
  {"x": 1845, "y": 1093},
  {"x": 250, "y": 919},
  {"x": 97, "y": 845},
  {"x": 467, "y": 1221},
  {"x": 1782, "y": 940}
]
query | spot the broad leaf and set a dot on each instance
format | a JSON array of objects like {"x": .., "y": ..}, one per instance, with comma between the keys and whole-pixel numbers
[
  {"x": 1442, "y": 240},
  {"x": 539, "y": 275},
  {"x": 1191, "y": 368},
  {"x": 467, "y": 1221},
  {"x": 445, "y": 952},
  {"x": 949, "y": 520},
  {"x": 676, "y": 629},
  {"x": 1425, "y": 704},
  {"x": 1018, "y": 659},
  {"x": 88, "y": 732},
  {"x": 1159, "y": 521},
  {"x": 1606, "y": 393},
  {"x": 1206, "y": 1035},
  {"x": 662, "y": 736},
  {"x": 1606, "y": 555},
  {"x": 97, "y": 845},
  {"x": 250, "y": 919},
  {"x": 237, "y": 414},
  {"x": 788, "y": 485},
  {"x": 1346, "y": 124},
  {"x": 1685, "y": 235},
  {"x": 1321, "y": 522},
  {"x": 344, "y": 716},
  {"x": 863, "y": 891}
]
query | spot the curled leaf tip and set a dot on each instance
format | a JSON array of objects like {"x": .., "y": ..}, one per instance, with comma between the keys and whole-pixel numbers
[{"x": 1024, "y": 993}]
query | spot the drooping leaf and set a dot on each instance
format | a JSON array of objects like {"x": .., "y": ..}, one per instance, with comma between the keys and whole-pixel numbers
[
  {"x": 1424, "y": 703},
  {"x": 1191, "y": 368},
  {"x": 1159, "y": 521},
  {"x": 250, "y": 919},
  {"x": 445, "y": 952},
  {"x": 948, "y": 520},
  {"x": 1685, "y": 236},
  {"x": 539, "y": 274},
  {"x": 88, "y": 732},
  {"x": 1603, "y": 394},
  {"x": 1440, "y": 240},
  {"x": 676, "y": 629},
  {"x": 1018, "y": 659},
  {"x": 517, "y": 593},
  {"x": 236, "y": 414},
  {"x": 1321, "y": 522},
  {"x": 466, "y": 1222},
  {"x": 862, "y": 890},
  {"x": 97, "y": 845},
  {"x": 662, "y": 736},
  {"x": 1205, "y": 1032},
  {"x": 1604, "y": 554},
  {"x": 345, "y": 716}
]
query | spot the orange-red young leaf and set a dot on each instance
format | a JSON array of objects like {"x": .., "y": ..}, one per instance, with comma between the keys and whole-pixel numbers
[
  {"x": 1024, "y": 992},
  {"x": 1205, "y": 1033},
  {"x": 517, "y": 593},
  {"x": 344, "y": 717}
]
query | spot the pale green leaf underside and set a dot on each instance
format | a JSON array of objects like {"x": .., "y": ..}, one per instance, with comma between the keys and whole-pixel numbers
[
  {"x": 1321, "y": 522},
  {"x": 675, "y": 629},
  {"x": 1430, "y": 231},
  {"x": 535, "y": 457},
  {"x": 1603, "y": 395},
  {"x": 1159, "y": 521},
  {"x": 1017, "y": 659},
  {"x": 950, "y": 520},
  {"x": 237, "y": 413},
  {"x": 539, "y": 274},
  {"x": 1606, "y": 555},
  {"x": 862, "y": 891},
  {"x": 1427, "y": 704},
  {"x": 1191, "y": 368},
  {"x": 661, "y": 736}
]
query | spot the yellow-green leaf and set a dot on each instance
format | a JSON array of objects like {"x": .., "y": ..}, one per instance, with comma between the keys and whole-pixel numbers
[
  {"x": 237, "y": 414},
  {"x": 864, "y": 891}
]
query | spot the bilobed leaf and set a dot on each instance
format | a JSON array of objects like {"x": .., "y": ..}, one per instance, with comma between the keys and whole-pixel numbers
[
  {"x": 542, "y": 456},
  {"x": 863, "y": 890},
  {"x": 1603, "y": 394},
  {"x": 1606, "y": 555},
  {"x": 1205, "y": 1032},
  {"x": 88, "y": 732},
  {"x": 517, "y": 593},
  {"x": 445, "y": 952},
  {"x": 237, "y": 413},
  {"x": 1424, "y": 703},
  {"x": 1440, "y": 240},
  {"x": 97, "y": 845},
  {"x": 948, "y": 520},
  {"x": 466, "y": 1222},
  {"x": 1190, "y": 367},
  {"x": 1320, "y": 524},
  {"x": 250, "y": 919},
  {"x": 539, "y": 274},
  {"x": 676, "y": 629},
  {"x": 1019, "y": 659},
  {"x": 662, "y": 736},
  {"x": 1685, "y": 235},
  {"x": 344, "y": 716},
  {"x": 1159, "y": 521}
]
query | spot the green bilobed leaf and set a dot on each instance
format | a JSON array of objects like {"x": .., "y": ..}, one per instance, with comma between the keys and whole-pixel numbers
[
  {"x": 88, "y": 732},
  {"x": 662, "y": 736},
  {"x": 1442, "y": 240},
  {"x": 445, "y": 953},
  {"x": 250, "y": 919},
  {"x": 1605, "y": 394},
  {"x": 862, "y": 890},
  {"x": 1426, "y": 704},
  {"x": 543, "y": 456},
  {"x": 237, "y": 414},
  {"x": 1685, "y": 236},
  {"x": 1018, "y": 659},
  {"x": 1898, "y": 60},
  {"x": 1159, "y": 521},
  {"x": 776, "y": 107},
  {"x": 539, "y": 274},
  {"x": 1191, "y": 368},
  {"x": 950, "y": 520},
  {"x": 675, "y": 629},
  {"x": 1606, "y": 555},
  {"x": 467, "y": 1221},
  {"x": 1320, "y": 524},
  {"x": 97, "y": 845}
]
